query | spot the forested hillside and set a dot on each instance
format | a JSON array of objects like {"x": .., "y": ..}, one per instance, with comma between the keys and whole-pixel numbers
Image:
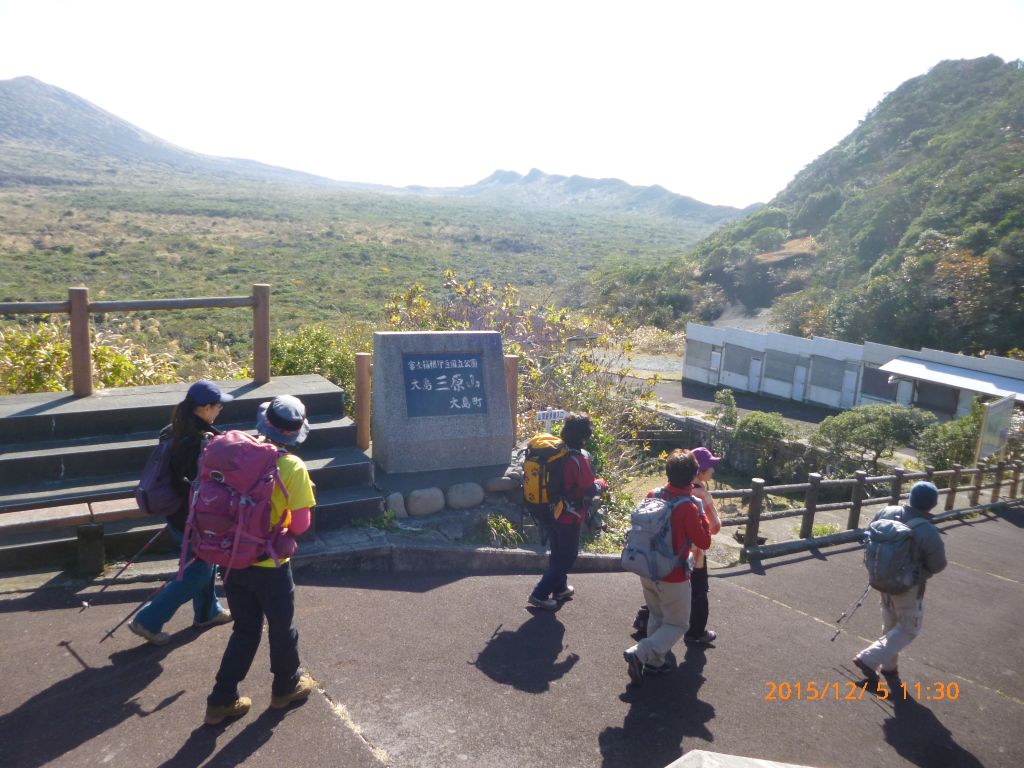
[{"x": 910, "y": 231}]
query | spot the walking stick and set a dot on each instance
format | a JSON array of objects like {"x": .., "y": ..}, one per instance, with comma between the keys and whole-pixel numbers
[
  {"x": 150, "y": 596},
  {"x": 851, "y": 610},
  {"x": 136, "y": 556}
]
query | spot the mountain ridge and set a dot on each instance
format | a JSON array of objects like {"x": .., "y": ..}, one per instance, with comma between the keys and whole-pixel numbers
[{"x": 38, "y": 119}]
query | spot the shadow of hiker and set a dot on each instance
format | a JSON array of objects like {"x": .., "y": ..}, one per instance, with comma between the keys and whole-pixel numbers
[
  {"x": 919, "y": 737},
  {"x": 663, "y": 711},
  {"x": 42, "y": 729},
  {"x": 527, "y": 658},
  {"x": 202, "y": 742}
]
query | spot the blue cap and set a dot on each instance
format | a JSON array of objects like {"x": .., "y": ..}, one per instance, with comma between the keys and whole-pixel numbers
[
  {"x": 283, "y": 420},
  {"x": 205, "y": 392},
  {"x": 924, "y": 496}
]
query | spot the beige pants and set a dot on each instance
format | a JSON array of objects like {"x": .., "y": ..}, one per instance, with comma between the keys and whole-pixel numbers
[
  {"x": 902, "y": 616},
  {"x": 669, "y": 604}
]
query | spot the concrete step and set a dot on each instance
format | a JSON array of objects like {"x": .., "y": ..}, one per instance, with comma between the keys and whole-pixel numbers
[
  {"x": 60, "y": 416},
  {"x": 92, "y": 459},
  {"x": 341, "y": 507}
]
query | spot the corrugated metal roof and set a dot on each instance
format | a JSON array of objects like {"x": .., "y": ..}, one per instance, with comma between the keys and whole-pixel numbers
[{"x": 953, "y": 376}]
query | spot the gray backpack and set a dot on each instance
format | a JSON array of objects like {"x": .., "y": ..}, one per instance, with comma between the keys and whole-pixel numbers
[
  {"x": 648, "y": 551},
  {"x": 890, "y": 555}
]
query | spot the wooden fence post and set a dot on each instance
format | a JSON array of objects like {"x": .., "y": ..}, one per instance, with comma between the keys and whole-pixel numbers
[
  {"x": 811, "y": 503},
  {"x": 997, "y": 483},
  {"x": 512, "y": 383},
  {"x": 857, "y": 497},
  {"x": 897, "y": 485},
  {"x": 954, "y": 486},
  {"x": 754, "y": 515},
  {"x": 364, "y": 389},
  {"x": 979, "y": 480},
  {"x": 261, "y": 333},
  {"x": 1015, "y": 483},
  {"x": 81, "y": 352}
]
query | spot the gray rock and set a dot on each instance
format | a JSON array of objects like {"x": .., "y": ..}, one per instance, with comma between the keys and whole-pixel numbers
[
  {"x": 501, "y": 484},
  {"x": 424, "y": 501},
  {"x": 396, "y": 503},
  {"x": 465, "y": 496}
]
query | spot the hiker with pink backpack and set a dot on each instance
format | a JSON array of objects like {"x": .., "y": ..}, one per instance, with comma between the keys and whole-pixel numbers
[{"x": 252, "y": 498}]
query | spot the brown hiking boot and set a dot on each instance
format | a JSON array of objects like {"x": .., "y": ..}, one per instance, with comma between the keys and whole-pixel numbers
[
  {"x": 302, "y": 689},
  {"x": 216, "y": 714}
]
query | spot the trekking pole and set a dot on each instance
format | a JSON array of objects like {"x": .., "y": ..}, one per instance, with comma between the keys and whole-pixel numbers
[
  {"x": 150, "y": 596},
  {"x": 136, "y": 556},
  {"x": 848, "y": 613}
]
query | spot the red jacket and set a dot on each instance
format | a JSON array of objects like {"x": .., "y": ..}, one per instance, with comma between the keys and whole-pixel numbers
[
  {"x": 687, "y": 523},
  {"x": 578, "y": 486}
]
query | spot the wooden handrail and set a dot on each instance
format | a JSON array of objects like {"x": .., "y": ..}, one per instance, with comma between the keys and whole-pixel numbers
[{"x": 79, "y": 308}]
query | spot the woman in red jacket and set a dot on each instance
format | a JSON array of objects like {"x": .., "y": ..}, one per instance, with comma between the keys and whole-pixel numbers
[{"x": 578, "y": 486}]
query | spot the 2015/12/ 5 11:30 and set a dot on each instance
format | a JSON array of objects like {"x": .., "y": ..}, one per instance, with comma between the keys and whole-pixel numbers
[{"x": 849, "y": 691}]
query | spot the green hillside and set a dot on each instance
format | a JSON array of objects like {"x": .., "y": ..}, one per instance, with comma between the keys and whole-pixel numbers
[{"x": 910, "y": 231}]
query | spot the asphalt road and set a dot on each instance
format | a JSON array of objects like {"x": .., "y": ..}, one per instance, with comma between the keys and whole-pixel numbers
[{"x": 423, "y": 670}]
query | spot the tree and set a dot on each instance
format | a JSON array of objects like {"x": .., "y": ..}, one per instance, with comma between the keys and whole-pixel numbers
[
  {"x": 869, "y": 432},
  {"x": 764, "y": 432},
  {"x": 954, "y": 442}
]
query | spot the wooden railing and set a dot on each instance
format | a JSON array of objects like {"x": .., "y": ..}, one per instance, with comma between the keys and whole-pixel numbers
[
  {"x": 1005, "y": 485},
  {"x": 79, "y": 308}
]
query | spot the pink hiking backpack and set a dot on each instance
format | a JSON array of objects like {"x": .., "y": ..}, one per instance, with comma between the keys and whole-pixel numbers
[{"x": 229, "y": 512}]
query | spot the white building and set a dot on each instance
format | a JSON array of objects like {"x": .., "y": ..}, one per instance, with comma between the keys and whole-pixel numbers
[{"x": 842, "y": 375}]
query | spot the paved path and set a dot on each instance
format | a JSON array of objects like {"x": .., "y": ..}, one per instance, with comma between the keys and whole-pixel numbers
[{"x": 449, "y": 669}]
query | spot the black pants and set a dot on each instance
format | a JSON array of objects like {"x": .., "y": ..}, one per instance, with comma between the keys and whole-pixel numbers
[
  {"x": 564, "y": 543},
  {"x": 252, "y": 594},
  {"x": 698, "y": 602}
]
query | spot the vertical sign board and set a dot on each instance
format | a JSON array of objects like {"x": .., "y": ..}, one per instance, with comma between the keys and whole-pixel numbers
[
  {"x": 449, "y": 384},
  {"x": 995, "y": 427}
]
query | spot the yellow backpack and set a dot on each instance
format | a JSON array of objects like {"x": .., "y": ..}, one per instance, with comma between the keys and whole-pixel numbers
[{"x": 542, "y": 476}]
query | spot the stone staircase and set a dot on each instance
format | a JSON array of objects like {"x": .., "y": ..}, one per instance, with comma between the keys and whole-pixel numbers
[{"x": 69, "y": 463}]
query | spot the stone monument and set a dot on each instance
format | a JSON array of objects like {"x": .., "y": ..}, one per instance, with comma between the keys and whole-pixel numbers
[{"x": 440, "y": 401}]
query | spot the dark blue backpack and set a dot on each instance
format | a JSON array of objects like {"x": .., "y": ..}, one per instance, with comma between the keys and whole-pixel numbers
[{"x": 156, "y": 493}]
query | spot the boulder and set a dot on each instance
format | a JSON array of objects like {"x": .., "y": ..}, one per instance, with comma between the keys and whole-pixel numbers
[
  {"x": 501, "y": 484},
  {"x": 396, "y": 503},
  {"x": 465, "y": 496},
  {"x": 424, "y": 501}
]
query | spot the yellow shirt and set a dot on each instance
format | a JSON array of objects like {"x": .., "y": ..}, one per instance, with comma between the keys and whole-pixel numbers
[{"x": 295, "y": 479}]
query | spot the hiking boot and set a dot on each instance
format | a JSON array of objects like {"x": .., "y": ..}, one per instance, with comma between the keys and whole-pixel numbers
[
  {"x": 706, "y": 639},
  {"x": 302, "y": 689},
  {"x": 546, "y": 603},
  {"x": 634, "y": 667},
  {"x": 565, "y": 594},
  {"x": 224, "y": 617},
  {"x": 216, "y": 714},
  {"x": 153, "y": 638},
  {"x": 651, "y": 670},
  {"x": 870, "y": 676}
]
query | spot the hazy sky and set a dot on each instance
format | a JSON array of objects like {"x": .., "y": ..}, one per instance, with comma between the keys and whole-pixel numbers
[{"x": 720, "y": 100}]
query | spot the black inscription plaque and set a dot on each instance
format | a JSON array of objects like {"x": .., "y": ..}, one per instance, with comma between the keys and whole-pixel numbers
[{"x": 444, "y": 384}]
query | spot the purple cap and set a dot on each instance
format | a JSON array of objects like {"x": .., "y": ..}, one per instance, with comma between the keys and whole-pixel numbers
[
  {"x": 705, "y": 458},
  {"x": 207, "y": 393}
]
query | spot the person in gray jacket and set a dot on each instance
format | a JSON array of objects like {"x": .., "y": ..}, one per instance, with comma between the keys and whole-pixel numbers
[{"x": 903, "y": 614}]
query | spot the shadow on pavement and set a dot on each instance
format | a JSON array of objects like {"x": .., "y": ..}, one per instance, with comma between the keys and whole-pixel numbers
[
  {"x": 527, "y": 657},
  {"x": 662, "y": 712},
  {"x": 202, "y": 742},
  {"x": 376, "y": 580},
  {"x": 77, "y": 709},
  {"x": 919, "y": 737}
]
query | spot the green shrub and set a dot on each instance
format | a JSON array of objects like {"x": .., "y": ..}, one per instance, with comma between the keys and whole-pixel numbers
[
  {"x": 317, "y": 349},
  {"x": 37, "y": 358},
  {"x": 955, "y": 442}
]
